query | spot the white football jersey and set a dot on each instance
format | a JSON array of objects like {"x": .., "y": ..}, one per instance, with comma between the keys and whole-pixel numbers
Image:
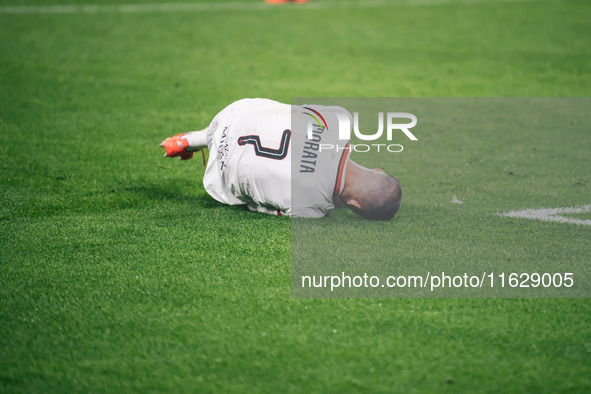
[{"x": 256, "y": 157}]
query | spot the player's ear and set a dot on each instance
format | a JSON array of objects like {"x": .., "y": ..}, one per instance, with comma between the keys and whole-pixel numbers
[{"x": 354, "y": 203}]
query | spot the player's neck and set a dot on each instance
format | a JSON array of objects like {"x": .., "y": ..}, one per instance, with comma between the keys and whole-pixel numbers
[{"x": 353, "y": 173}]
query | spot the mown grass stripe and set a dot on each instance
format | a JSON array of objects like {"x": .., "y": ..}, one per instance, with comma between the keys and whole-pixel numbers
[{"x": 231, "y": 6}]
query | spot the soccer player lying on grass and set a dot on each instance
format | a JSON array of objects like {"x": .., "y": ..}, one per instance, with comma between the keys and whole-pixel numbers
[{"x": 251, "y": 145}]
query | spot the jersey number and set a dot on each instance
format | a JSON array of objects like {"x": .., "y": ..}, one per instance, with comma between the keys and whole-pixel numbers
[{"x": 260, "y": 150}]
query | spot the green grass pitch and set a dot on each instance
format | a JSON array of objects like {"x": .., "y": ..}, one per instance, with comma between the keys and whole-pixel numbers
[{"x": 119, "y": 274}]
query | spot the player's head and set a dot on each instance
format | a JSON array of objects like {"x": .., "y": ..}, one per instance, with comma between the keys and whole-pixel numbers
[
  {"x": 381, "y": 198},
  {"x": 373, "y": 194}
]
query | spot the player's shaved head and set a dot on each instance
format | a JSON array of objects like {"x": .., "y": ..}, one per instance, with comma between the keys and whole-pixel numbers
[
  {"x": 372, "y": 194},
  {"x": 381, "y": 198}
]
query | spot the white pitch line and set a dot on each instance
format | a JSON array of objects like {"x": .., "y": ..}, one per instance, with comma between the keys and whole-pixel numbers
[
  {"x": 551, "y": 214},
  {"x": 229, "y": 6}
]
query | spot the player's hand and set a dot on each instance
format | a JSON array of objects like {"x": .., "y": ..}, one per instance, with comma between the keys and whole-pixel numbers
[{"x": 176, "y": 146}]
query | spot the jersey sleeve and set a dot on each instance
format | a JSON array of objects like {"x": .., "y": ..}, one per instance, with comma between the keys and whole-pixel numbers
[
  {"x": 258, "y": 208},
  {"x": 313, "y": 213}
]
